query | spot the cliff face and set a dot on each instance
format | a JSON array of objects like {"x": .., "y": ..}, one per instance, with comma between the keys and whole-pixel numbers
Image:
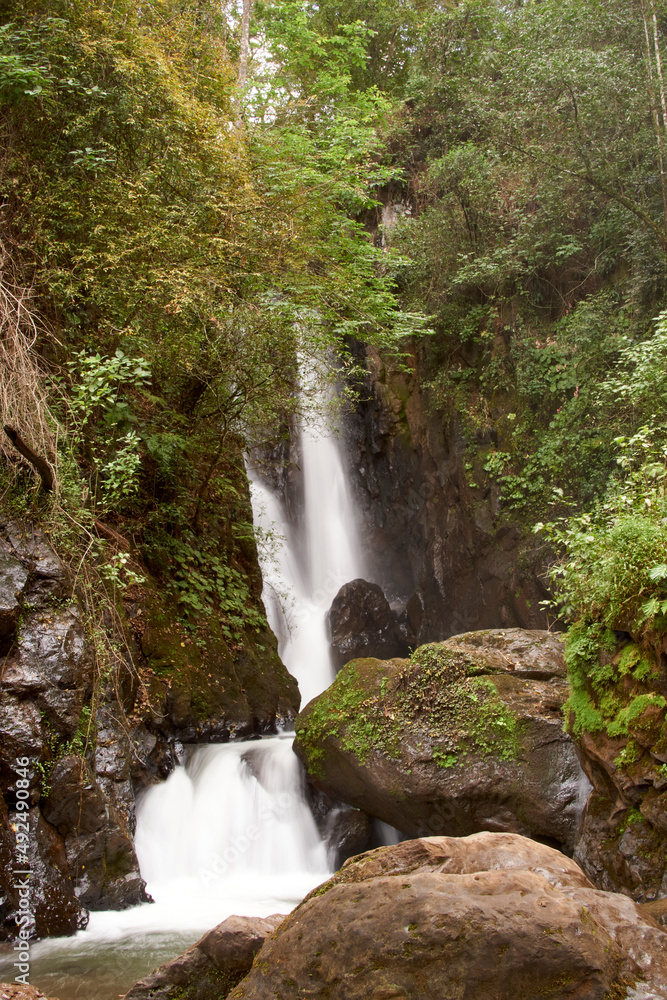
[{"x": 437, "y": 542}]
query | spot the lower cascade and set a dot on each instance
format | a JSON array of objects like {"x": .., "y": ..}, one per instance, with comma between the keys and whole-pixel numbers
[{"x": 230, "y": 832}]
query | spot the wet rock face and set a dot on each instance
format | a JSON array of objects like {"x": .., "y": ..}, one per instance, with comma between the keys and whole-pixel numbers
[
  {"x": 465, "y": 736},
  {"x": 622, "y": 844},
  {"x": 99, "y": 847},
  {"x": 361, "y": 623},
  {"x": 213, "y": 965},
  {"x": 347, "y": 832},
  {"x": 85, "y": 824},
  {"x": 433, "y": 536},
  {"x": 495, "y": 912}
]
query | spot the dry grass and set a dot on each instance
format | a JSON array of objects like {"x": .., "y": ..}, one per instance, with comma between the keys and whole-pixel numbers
[{"x": 23, "y": 390}]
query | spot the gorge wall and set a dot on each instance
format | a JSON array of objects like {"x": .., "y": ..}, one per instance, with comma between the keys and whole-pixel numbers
[{"x": 438, "y": 544}]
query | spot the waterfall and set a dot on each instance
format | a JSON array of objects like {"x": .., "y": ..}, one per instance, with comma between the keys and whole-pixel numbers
[
  {"x": 310, "y": 562},
  {"x": 231, "y": 831}
]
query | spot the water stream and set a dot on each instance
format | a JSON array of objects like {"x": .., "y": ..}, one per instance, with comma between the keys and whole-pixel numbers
[
  {"x": 310, "y": 560},
  {"x": 231, "y": 831}
]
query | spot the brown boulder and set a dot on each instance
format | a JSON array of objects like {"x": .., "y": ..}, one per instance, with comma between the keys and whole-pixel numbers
[
  {"x": 212, "y": 966},
  {"x": 361, "y": 623},
  {"x": 466, "y": 735},
  {"x": 486, "y": 917},
  {"x": 14, "y": 991}
]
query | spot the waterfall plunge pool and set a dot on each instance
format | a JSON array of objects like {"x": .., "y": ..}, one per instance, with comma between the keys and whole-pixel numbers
[{"x": 229, "y": 833}]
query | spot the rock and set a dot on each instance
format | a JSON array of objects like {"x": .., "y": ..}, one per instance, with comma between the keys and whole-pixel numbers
[
  {"x": 425, "y": 527},
  {"x": 13, "y": 578},
  {"x": 57, "y": 910},
  {"x": 15, "y": 991},
  {"x": 53, "y": 904},
  {"x": 657, "y": 910},
  {"x": 100, "y": 852},
  {"x": 346, "y": 832},
  {"x": 487, "y": 917},
  {"x": 465, "y": 736},
  {"x": 20, "y": 734},
  {"x": 48, "y": 579},
  {"x": 619, "y": 850},
  {"x": 622, "y": 843},
  {"x": 361, "y": 623},
  {"x": 82, "y": 853},
  {"x": 212, "y": 966}
]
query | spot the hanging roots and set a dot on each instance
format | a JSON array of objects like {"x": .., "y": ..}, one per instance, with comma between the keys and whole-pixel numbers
[{"x": 23, "y": 395}]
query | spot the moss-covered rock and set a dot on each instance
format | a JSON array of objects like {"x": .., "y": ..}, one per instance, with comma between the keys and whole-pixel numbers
[
  {"x": 465, "y": 735},
  {"x": 202, "y": 686},
  {"x": 617, "y": 714}
]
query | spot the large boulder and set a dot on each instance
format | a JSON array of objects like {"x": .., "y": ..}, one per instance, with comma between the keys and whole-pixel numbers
[
  {"x": 361, "y": 623},
  {"x": 486, "y": 917},
  {"x": 212, "y": 966},
  {"x": 466, "y": 735}
]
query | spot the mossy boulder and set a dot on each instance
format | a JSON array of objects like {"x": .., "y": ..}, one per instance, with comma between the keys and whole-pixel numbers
[
  {"x": 466, "y": 735},
  {"x": 202, "y": 686}
]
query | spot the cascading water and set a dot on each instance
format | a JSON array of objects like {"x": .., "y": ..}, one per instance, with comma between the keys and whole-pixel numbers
[
  {"x": 231, "y": 831},
  {"x": 301, "y": 580}
]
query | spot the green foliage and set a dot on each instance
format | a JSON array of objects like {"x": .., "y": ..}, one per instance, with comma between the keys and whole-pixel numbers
[
  {"x": 204, "y": 583},
  {"x": 98, "y": 386},
  {"x": 610, "y": 691},
  {"x": 22, "y": 70}
]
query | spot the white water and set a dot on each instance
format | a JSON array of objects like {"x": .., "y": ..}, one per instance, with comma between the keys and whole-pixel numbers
[
  {"x": 231, "y": 832},
  {"x": 310, "y": 562}
]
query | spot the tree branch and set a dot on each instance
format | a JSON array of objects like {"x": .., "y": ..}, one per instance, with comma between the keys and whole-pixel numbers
[{"x": 40, "y": 464}]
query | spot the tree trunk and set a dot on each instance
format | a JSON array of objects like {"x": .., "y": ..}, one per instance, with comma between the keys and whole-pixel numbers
[
  {"x": 657, "y": 124},
  {"x": 245, "y": 43}
]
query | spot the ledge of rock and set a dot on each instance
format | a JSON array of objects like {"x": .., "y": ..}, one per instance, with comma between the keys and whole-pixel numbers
[
  {"x": 466, "y": 735},
  {"x": 212, "y": 966},
  {"x": 503, "y": 915}
]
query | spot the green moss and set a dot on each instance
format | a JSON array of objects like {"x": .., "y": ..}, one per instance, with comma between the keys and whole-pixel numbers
[
  {"x": 630, "y": 754},
  {"x": 610, "y": 690},
  {"x": 586, "y": 717},
  {"x": 438, "y": 692},
  {"x": 636, "y": 708}
]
